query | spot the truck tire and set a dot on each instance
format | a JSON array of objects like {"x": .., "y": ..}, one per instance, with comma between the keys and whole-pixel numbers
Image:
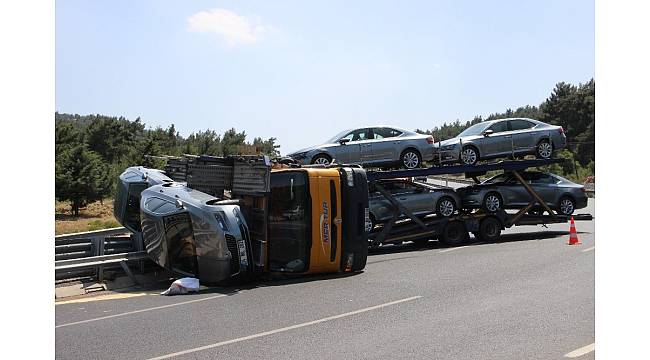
[
  {"x": 489, "y": 230},
  {"x": 454, "y": 233}
]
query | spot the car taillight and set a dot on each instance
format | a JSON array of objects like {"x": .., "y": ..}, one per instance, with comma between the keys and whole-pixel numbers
[
  {"x": 560, "y": 130},
  {"x": 430, "y": 140}
]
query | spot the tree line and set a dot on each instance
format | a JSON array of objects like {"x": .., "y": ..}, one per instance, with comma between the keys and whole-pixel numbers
[
  {"x": 92, "y": 150},
  {"x": 571, "y": 106}
]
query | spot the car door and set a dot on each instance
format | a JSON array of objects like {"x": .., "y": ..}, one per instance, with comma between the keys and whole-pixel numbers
[
  {"x": 413, "y": 197},
  {"x": 384, "y": 145},
  {"x": 510, "y": 191},
  {"x": 349, "y": 152},
  {"x": 522, "y": 137},
  {"x": 544, "y": 185},
  {"x": 497, "y": 143}
]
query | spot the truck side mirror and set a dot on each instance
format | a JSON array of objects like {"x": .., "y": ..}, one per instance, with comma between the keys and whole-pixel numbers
[
  {"x": 488, "y": 132},
  {"x": 344, "y": 141}
]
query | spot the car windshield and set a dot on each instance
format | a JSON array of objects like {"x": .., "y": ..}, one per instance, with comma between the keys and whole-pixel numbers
[
  {"x": 475, "y": 129},
  {"x": 336, "y": 137},
  {"x": 497, "y": 179}
]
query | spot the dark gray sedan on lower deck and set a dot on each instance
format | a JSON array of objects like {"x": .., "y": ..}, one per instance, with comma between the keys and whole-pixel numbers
[{"x": 505, "y": 192}]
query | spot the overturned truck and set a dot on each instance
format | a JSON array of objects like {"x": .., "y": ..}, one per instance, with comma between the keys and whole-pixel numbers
[{"x": 233, "y": 219}]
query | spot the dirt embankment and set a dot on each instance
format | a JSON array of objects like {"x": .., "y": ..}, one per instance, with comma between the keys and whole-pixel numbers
[{"x": 95, "y": 216}]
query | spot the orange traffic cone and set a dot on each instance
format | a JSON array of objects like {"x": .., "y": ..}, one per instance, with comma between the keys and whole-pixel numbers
[{"x": 573, "y": 234}]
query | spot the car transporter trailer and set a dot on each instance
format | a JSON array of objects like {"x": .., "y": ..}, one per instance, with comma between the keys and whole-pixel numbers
[{"x": 455, "y": 230}]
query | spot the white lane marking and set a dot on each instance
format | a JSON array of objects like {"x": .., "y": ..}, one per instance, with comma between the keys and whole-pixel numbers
[
  {"x": 140, "y": 311},
  {"x": 583, "y": 350},
  {"x": 105, "y": 297},
  {"x": 589, "y": 249},
  {"x": 292, "y": 327},
  {"x": 454, "y": 248}
]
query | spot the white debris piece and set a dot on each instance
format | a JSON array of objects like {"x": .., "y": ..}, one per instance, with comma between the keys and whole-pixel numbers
[{"x": 182, "y": 286}]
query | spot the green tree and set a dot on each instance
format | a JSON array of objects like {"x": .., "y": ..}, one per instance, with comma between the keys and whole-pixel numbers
[{"x": 81, "y": 177}]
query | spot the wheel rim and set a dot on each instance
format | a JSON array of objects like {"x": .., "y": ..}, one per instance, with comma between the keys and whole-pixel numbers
[
  {"x": 468, "y": 156},
  {"x": 566, "y": 206},
  {"x": 446, "y": 208},
  {"x": 545, "y": 149},
  {"x": 411, "y": 160},
  {"x": 492, "y": 203},
  {"x": 322, "y": 161}
]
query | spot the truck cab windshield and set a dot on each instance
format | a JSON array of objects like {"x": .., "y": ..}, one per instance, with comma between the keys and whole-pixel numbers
[{"x": 289, "y": 222}]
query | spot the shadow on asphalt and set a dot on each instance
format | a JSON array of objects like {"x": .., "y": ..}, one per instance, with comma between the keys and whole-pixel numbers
[{"x": 434, "y": 244}]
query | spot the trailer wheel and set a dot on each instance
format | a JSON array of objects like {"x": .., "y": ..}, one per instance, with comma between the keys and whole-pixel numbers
[
  {"x": 489, "y": 230},
  {"x": 454, "y": 233}
]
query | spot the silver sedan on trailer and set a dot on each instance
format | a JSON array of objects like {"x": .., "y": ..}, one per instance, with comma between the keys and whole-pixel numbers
[
  {"x": 502, "y": 138},
  {"x": 505, "y": 192},
  {"x": 375, "y": 146}
]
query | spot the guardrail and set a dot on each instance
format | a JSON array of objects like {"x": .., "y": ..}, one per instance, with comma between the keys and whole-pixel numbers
[
  {"x": 98, "y": 263},
  {"x": 91, "y": 244}
]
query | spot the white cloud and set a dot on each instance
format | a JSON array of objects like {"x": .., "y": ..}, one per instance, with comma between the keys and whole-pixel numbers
[{"x": 232, "y": 28}]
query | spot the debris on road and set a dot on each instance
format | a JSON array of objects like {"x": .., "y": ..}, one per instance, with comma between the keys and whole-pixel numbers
[{"x": 182, "y": 286}]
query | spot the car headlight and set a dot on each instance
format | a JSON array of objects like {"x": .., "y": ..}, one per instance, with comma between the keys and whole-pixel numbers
[
  {"x": 298, "y": 156},
  {"x": 221, "y": 220},
  {"x": 448, "y": 147}
]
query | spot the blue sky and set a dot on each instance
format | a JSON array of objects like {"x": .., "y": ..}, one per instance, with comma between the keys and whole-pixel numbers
[{"x": 302, "y": 71}]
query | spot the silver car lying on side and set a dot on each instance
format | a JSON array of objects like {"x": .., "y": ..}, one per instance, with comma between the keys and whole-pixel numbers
[
  {"x": 505, "y": 192},
  {"x": 378, "y": 146},
  {"x": 419, "y": 198},
  {"x": 502, "y": 138}
]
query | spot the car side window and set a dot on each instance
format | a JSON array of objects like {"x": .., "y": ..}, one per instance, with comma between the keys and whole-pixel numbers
[
  {"x": 382, "y": 133},
  {"x": 501, "y": 126},
  {"x": 358, "y": 135},
  {"x": 542, "y": 179},
  {"x": 520, "y": 124}
]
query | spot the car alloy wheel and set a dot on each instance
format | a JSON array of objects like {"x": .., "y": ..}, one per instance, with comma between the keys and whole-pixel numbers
[
  {"x": 446, "y": 208},
  {"x": 566, "y": 206},
  {"x": 468, "y": 156},
  {"x": 545, "y": 149},
  {"x": 322, "y": 161},
  {"x": 411, "y": 160},
  {"x": 492, "y": 203}
]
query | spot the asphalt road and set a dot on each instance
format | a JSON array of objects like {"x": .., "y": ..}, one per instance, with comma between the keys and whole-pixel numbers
[{"x": 530, "y": 296}]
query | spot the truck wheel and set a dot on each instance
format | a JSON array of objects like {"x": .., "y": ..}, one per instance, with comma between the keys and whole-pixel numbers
[
  {"x": 454, "y": 233},
  {"x": 360, "y": 258},
  {"x": 489, "y": 230}
]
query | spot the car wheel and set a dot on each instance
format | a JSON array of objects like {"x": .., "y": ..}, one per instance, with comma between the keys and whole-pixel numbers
[
  {"x": 454, "y": 233},
  {"x": 544, "y": 149},
  {"x": 445, "y": 207},
  {"x": 469, "y": 155},
  {"x": 492, "y": 202},
  {"x": 567, "y": 206},
  {"x": 322, "y": 159},
  {"x": 489, "y": 230},
  {"x": 410, "y": 159}
]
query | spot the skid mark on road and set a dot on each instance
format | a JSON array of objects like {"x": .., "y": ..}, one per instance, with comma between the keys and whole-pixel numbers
[
  {"x": 141, "y": 310},
  {"x": 582, "y": 351},
  {"x": 292, "y": 327}
]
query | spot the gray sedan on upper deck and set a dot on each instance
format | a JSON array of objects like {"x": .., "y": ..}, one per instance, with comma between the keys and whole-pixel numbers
[
  {"x": 377, "y": 146},
  {"x": 502, "y": 138}
]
